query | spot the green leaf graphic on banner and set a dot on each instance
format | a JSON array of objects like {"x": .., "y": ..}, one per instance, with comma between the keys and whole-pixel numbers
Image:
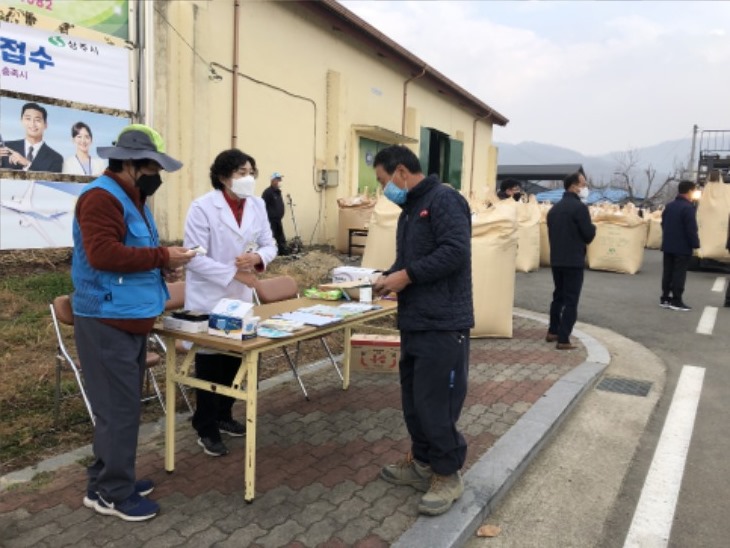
[
  {"x": 107, "y": 16},
  {"x": 57, "y": 41}
]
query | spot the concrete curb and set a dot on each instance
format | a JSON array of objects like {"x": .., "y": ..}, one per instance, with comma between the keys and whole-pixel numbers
[{"x": 491, "y": 477}]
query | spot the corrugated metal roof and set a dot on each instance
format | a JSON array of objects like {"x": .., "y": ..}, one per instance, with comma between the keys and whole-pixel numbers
[{"x": 537, "y": 172}]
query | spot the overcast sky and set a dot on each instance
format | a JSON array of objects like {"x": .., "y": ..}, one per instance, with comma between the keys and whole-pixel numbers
[{"x": 596, "y": 77}]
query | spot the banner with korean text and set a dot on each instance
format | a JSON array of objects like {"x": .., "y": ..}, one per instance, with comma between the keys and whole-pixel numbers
[{"x": 39, "y": 62}]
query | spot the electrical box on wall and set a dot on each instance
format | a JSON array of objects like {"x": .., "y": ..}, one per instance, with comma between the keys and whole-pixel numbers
[{"x": 329, "y": 178}]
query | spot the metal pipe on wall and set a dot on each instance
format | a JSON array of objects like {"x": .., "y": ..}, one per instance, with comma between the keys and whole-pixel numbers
[
  {"x": 234, "y": 85},
  {"x": 405, "y": 102},
  {"x": 474, "y": 148}
]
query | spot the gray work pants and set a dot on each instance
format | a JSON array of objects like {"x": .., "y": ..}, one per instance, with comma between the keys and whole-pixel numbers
[{"x": 113, "y": 364}]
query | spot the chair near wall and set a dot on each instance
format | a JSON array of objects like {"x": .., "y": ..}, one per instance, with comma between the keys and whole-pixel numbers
[
  {"x": 281, "y": 288},
  {"x": 62, "y": 313}
]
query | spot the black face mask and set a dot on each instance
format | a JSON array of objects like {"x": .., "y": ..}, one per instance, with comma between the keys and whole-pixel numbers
[
  {"x": 148, "y": 184},
  {"x": 516, "y": 196}
]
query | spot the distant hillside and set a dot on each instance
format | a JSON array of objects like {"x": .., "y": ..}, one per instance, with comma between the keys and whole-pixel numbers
[{"x": 664, "y": 157}]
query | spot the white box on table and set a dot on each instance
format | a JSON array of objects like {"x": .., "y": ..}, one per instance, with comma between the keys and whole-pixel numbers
[
  {"x": 353, "y": 273},
  {"x": 188, "y": 326}
]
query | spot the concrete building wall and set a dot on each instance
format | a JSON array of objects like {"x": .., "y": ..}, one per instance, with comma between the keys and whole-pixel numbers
[{"x": 306, "y": 93}]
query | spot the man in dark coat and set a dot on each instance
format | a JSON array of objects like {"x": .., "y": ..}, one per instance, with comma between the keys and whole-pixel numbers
[
  {"x": 432, "y": 277},
  {"x": 570, "y": 230},
  {"x": 31, "y": 153},
  {"x": 275, "y": 211},
  {"x": 679, "y": 239},
  {"x": 727, "y": 246}
]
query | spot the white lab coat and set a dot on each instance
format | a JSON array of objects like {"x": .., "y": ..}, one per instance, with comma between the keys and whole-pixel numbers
[{"x": 210, "y": 224}]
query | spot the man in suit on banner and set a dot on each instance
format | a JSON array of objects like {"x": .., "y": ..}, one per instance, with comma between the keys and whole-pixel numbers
[{"x": 31, "y": 153}]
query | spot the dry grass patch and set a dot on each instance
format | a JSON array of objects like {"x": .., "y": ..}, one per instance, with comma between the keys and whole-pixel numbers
[{"x": 30, "y": 279}]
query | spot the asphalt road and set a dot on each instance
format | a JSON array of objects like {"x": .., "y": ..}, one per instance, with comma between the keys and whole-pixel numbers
[{"x": 629, "y": 306}]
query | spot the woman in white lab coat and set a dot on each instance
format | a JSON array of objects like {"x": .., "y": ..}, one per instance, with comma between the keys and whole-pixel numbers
[{"x": 231, "y": 226}]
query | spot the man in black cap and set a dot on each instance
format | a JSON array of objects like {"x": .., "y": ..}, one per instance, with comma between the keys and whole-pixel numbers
[
  {"x": 275, "y": 211},
  {"x": 119, "y": 271}
]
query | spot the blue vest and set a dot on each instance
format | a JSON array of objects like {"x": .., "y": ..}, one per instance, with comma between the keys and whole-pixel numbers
[{"x": 118, "y": 295}]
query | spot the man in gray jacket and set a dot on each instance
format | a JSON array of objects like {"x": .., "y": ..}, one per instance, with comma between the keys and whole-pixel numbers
[{"x": 432, "y": 277}]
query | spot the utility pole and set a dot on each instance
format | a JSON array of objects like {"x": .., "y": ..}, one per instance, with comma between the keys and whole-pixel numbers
[{"x": 691, "y": 171}]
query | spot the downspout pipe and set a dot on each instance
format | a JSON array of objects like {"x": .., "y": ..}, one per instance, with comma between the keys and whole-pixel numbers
[
  {"x": 234, "y": 84},
  {"x": 405, "y": 98},
  {"x": 473, "y": 149}
]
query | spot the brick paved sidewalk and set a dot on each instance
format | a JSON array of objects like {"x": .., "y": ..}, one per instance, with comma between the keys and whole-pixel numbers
[{"x": 317, "y": 467}]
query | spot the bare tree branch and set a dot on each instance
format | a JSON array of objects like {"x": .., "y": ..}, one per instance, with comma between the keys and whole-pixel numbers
[{"x": 627, "y": 164}]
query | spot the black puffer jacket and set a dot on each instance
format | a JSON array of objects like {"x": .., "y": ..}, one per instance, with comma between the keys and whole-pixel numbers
[
  {"x": 569, "y": 230},
  {"x": 434, "y": 246}
]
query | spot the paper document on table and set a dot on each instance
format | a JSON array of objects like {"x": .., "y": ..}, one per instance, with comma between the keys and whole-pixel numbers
[
  {"x": 307, "y": 318},
  {"x": 282, "y": 324},
  {"x": 321, "y": 310},
  {"x": 357, "y": 308}
]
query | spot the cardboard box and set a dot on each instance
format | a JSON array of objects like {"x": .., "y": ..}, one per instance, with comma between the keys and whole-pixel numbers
[
  {"x": 374, "y": 353},
  {"x": 352, "y": 288},
  {"x": 353, "y": 273}
]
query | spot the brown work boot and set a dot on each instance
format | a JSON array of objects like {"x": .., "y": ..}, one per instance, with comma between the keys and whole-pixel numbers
[
  {"x": 442, "y": 494},
  {"x": 408, "y": 472},
  {"x": 551, "y": 337}
]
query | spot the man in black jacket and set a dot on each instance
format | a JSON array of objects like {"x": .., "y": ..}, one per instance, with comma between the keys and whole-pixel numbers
[
  {"x": 275, "y": 211},
  {"x": 432, "y": 277},
  {"x": 570, "y": 230},
  {"x": 727, "y": 246},
  {"x": 679, "y": 238}
]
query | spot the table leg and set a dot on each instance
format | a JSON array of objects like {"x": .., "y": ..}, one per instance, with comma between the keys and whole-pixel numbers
[
  {"x": 250, "y": 362},
  {"x": 170, "y": 365},
  {"x": 346, "y": 360}
]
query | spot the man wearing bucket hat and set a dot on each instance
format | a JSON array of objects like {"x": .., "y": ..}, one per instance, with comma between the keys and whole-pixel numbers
[{"x": 119, "y": 271}]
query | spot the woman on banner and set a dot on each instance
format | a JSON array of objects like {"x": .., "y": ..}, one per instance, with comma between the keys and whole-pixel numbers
[
  {"x": 82, "y": 163},
  {"x": 232, "y": 229}
]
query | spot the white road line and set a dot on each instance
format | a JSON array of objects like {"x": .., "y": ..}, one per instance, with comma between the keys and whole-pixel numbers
[
  {"x": 654, "y": 513},
  {"x": 707, "y": 320},
  {"x": 719, "y": 285}
]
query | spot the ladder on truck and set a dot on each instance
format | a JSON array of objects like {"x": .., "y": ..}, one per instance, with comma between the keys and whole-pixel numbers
[{"x": 714, "y": 153}]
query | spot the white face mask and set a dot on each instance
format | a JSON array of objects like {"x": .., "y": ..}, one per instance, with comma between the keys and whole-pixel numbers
[
  {"x": 243, "y": 187},
  {"x": 583, "y": 193}
]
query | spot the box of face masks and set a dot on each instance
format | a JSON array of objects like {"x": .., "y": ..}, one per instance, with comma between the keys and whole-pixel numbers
[{"x": 228, "y": 318}]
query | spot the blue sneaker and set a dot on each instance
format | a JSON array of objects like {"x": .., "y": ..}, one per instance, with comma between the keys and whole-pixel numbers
[
  {"x": 134, "y": 508},
  {"x": 142, "y": 487}
]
